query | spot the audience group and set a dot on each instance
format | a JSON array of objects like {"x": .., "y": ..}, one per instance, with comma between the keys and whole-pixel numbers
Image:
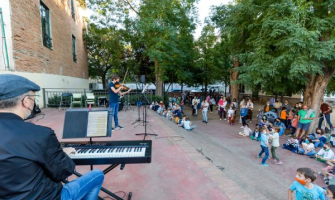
[{"x": 275, "y": 119}]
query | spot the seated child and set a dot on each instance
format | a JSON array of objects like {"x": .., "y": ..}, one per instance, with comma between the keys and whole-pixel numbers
[
  {"x": 307, "y": 148},
  {"x": 292, "y": 144},
  {"x": 325, "y": 155},
  {"x": 318, "y": 138},
  {"x": 164, "y": 113},
  {"x": 256, "y": 135},
  {"x": 187, "y": 124},
  {"x": 246, "y": 131},
  {"x": 304, "y": 187},
  {"x": 332, "y": 140},
  {"x": 168, "y": 114},
  {"x": 152, "y": 106}
]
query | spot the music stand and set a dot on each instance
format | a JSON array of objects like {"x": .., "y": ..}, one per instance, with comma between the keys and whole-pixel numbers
[
  {"x": 80, "y": 123},
  {"x": 145, "y": 116}
]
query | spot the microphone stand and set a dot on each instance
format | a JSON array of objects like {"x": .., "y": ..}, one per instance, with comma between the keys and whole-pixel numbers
[
  {"x": 145, "y": 118},
  {"x": 138, "y": 106}
]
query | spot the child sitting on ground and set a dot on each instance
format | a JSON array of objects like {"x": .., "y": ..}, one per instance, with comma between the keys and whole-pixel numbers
[
  {"x": 318, "y": 138},
  {"x": 304, "y": 187},
  {"x": 168, "y": 114},
  {"x": 256, "y": 135},
  {"x": 292, "y": 144},
  {"x": 246, "y": 131},
  {"x": 187, "y": 124},
  {"x": 307, "y": 148},
  {"x": 325, "y": 155}
]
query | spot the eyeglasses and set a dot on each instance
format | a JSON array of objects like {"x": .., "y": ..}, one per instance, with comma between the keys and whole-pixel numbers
[{"x": 30, "y": 95}]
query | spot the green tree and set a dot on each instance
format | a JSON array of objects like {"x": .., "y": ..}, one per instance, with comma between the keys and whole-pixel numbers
[
  {"x": 105, "y": 49},
  {"x": 233, "y": 21},
  {"x": 209, "y": 62},
  {"x": 163, "y": 28},
  {"x": 291, "y": 43}
]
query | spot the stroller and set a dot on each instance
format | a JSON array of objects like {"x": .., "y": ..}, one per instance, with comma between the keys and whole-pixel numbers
[{"x": 271, "y": 116}]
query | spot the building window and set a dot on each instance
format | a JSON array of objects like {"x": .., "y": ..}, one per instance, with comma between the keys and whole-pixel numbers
[
  {"x": 74, "y": 49},
  {"x": 73, "y": 14},
  {"x": 45, "y": 20}
]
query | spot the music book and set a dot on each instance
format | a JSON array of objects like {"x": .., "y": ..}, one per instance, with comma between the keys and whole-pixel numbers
[{"x": 82, "y": 123}]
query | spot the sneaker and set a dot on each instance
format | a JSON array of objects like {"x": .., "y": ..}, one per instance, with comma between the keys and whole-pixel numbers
[
  {"x": 225, "y": 119},
  {"x": 259, "y": 156},
  {"x": 320, "y": 173},
  {"x": 112, "y": 129},
  {"x": 264, "y": 164},
  {"x": 279, "y": 163},
  {"x": 119, "y": 127},
  {"x": 220, "y": 119}
]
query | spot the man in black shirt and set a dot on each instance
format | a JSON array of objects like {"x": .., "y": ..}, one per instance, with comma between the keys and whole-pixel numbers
[
  {"x": 114, "y": 93},
  {"x": 32, "y": 162}
]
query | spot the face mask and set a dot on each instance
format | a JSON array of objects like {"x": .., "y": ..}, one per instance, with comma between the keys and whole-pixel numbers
[
  {"x": 302, "y": 182},
  {"x": 328, "y": 198},
  {"x": 306, "y": 141},
  {"x": 268, "y": 104},
  {"x": 31, "y": 111}
]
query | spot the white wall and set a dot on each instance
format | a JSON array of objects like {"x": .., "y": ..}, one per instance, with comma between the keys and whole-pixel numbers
[
  {"x": 5, "y": 6},
  {"x": 52, "y": 81}
]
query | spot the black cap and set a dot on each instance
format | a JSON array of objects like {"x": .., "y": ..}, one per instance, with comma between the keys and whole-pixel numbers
[{"x": 12, "y": 86}]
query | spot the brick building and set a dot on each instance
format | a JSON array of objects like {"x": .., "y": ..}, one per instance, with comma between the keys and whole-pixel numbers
[{"x": 44, "y": 40}]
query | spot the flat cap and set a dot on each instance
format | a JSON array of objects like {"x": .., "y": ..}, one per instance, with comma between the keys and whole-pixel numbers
[{"x": 13, "y": 86}]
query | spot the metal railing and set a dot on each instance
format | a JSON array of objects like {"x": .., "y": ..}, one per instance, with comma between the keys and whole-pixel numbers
[{"x": 52, "y": 96}]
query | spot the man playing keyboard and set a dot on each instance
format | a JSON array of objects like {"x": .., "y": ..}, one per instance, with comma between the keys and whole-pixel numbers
[{"x": 32, "y": 163}]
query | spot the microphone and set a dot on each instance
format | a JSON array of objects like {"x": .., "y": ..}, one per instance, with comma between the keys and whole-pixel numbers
[{"x": 145, "y": 88}]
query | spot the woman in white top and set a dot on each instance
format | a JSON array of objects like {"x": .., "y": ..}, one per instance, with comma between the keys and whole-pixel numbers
[{"x": 250, "y": 107}]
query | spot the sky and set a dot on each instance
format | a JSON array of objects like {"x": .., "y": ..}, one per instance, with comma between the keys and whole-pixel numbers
[{"x": 204, "y": 11}]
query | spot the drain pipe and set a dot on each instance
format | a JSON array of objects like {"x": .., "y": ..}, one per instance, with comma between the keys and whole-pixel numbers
[{"x": 4, "y": 37}]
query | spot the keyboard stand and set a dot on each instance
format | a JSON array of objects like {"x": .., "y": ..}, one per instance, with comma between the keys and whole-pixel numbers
[{"x": 108, "y": 169}]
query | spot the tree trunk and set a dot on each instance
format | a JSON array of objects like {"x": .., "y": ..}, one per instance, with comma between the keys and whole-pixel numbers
[
  {"x": 314, "y": 92},
  {"x": 104, "y": 84},
  {"x": 159, "y": 82},
  {"x": 234, "y": 77}
]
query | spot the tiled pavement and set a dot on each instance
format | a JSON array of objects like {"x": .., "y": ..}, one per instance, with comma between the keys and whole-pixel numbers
[{"x": 211, "y": 162}]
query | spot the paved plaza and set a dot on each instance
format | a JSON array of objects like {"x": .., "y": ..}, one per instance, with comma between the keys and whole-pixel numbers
[{"x": 211, "y": 162}]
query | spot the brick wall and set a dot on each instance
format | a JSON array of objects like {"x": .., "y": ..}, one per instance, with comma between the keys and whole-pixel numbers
[{"x": 28, "y": 51}]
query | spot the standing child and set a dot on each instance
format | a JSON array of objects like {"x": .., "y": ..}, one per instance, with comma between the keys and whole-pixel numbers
[
  {"x": 294, "y": 124},
  {"x": 204, "y": 108},
  {"x": 304, "y": 187},
  {"x": 275, "y": 144},
  {"x": 231, "y": 115},
  {"x": 264, "y": 146}
]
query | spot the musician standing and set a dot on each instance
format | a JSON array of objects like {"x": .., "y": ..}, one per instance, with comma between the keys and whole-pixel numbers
[
  {"x": 114, "y": 93},
  {"x": 32, "y": 162}
]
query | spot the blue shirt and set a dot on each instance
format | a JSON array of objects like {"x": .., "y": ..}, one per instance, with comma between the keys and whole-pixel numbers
[
  {"x": 113, "y": 97},
  {"x": 244, "y": 112},
  {"x": 264, "y": 139},
  {"x": 301, "y": 192}
]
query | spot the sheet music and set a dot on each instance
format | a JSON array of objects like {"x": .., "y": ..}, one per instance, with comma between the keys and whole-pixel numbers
[{"x": 97, "y": 124}]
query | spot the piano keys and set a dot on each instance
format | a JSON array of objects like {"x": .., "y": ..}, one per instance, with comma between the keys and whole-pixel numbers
[{"x": 116, "y": 152}]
